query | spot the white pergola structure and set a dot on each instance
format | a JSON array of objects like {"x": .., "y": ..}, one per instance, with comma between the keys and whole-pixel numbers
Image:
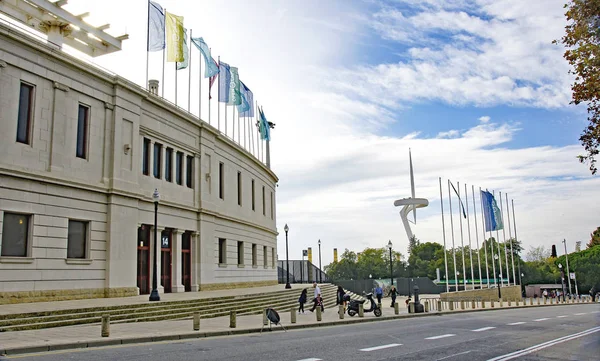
[
  {"x": 62, "y": 27},
  {"x": 410, "y": 204}
]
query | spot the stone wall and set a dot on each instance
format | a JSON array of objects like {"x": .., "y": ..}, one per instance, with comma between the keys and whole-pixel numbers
[
  {"x": 233, "y": 285},
  {"x": 487, "y": 294},
  {"x": 63, "y": 295}
]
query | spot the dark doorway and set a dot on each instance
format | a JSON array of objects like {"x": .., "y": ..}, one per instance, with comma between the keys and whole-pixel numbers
[
  {"x": 143, "y": 259},
  {"x": 165, "y": 254},
  {"x": 186, "y": 261}
]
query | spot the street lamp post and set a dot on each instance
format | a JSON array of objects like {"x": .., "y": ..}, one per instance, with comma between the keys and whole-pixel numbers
[
  {"x": 497, "y": 284},
  {"x": 154, "y": 294},
  {"x": 320, "y": 269},
  {"x": 287, "y": 258},
  {"x": 522, "y": 275},
  {"x": 391, "y": 264},
  {"x": 562, "y": 280}
]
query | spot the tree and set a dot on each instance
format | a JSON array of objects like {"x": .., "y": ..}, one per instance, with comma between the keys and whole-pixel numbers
[
  {"x": 595, "y": 238},
  {"x": 374, "y": 262},
  {"x": 425, "y": 258},
  {"x": 582, "y": 40},
  {"x": 538, "y": 254},
  {"x": 586, "y": 265}
]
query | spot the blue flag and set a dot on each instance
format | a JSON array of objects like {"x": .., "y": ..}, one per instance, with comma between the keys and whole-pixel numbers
[
  {"x": 156, "y": 27},
  {"x": 263, "y": 126},
  {"x": 246, "y": 109},
  {"x": 459, "y": 200},
  {"x": 491, "y": 212},
  {"x": 210, "y": 68},
  {"x": 224, "y": 82}
]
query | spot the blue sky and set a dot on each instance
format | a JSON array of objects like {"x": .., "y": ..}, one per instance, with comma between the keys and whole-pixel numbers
[{"x": 474, "y": 87}]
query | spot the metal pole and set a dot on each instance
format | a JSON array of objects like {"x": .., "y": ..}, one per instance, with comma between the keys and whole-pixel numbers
[
  {"x": 477, "y": 238},
  {"x": 320, "y": 269},
  {"x": 512, "y": 255},
  {"x": 287, "y": 261},
  {"x": 452, "y": 231},
  {"x": 504, "y": 237},
  {"x": 190, "y": 75},
  {"x": 568, "y": 271},
  {"x": 498, "y": 247},
  {"x": 462, "y": 243},
  {"x": 302, "y": 269},
  {"x": 483, "y": 222},
  {"x": 444, "y": 236},
  {"x": 391, "y": 268},
  {"x": 154, "y": 294}
]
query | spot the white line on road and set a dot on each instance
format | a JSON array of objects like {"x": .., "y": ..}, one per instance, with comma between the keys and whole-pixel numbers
[
  {"x": 380, "y": 347},
  {"x": 541, "y": 319},
  {"x": 311, "y": 359},
  {"x": 541, "y": 346},
  {"x": 483, "y": 329},
  {"x": 516, "y": 323},
  {"x": 563, "y": 316},
  {"x": 579, "y": 314},
  {"x": 440, "y": 336}
]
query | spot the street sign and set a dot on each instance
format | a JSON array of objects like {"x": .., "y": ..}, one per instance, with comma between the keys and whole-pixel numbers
[
  {"x": 572, "y": 275},
  {"x": 304, "y": 253}
]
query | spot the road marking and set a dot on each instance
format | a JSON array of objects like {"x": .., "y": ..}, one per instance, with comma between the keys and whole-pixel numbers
[
  {"x": 541, "y": 319},
  {"x": 541, "y": 346},
  {"x": 440, "y": 336},
  {"x": 311, "y": 359},
  {"x": 516, "y": 323},
  {"x": 380, "y": 347},
  {"x": 563, "y": 316},
  {"x": 458, "y": 354},
  {"x": 483, "y": 329},
  {"x": 579, "y": 314}
]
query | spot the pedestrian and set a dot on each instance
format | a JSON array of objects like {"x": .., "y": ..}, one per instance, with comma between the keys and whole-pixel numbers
[
  {"x": 393, "y": 294},
  {"x": 317, "y": 293},
  {"x": 378, "y": 293},
  {"x": 302, "y": 300},
  {"x": 340, "y": 296},
  {"x": 319, "y": 302},
  {"x": 545, "y": 294}
]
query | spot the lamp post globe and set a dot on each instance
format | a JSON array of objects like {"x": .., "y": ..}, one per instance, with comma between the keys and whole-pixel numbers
[
  {"x": 320, "y": 269},
  {"x": 154, "y": 293},
  {"x": 287, "y": 258},
  {"x": 389, "y": 245}
]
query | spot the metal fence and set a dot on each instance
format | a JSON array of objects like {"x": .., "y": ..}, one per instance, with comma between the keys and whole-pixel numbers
[
  {"x": 404, "y": 286},
  {"x": 300, "y": 272}
]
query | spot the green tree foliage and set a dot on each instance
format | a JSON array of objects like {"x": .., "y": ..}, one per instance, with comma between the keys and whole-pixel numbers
[
  {"x": 582, "y": 40},
  {"x": 586, "y": 265},
  {"x": 594, "y": 238},
  {"x": 372, "y": 261},
  {"x": 425, "y": 258}
]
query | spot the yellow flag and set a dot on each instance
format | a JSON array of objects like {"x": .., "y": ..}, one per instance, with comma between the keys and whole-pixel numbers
[{"x": 175, "y": 34}]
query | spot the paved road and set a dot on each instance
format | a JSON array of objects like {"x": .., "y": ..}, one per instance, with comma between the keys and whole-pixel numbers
[{"x": 555, "y": 333}]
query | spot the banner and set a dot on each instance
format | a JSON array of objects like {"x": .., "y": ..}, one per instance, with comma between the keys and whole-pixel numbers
[
  {"x": 156, "y": 27},
  {"x": 175, "y": 35},
  {"x": 210, "y": 66},
  {"x": 224, "y": 82},
  {"x": 234, "y": 87},
  {"x": 491, "y": 212}
]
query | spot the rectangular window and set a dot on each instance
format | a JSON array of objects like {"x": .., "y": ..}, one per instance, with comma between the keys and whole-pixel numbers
[
  {"x": 272, "y": 205},
  {"x": 240, "y": 252},
  {"x": 25, "y": 111},
  {"x": 253, "y": 197},
  {"x": 157, "y": 159},
  {"x": 15, "y": 235},
  {"x": 169, "y": 164},
  {"x": 265, "y": 256},
  {"x": 82, "y": 131},
  {"x": 273, "y": 257},
  {"x": 189, "y": 170},
  {"x": 239, "y": 188},
  {"x": 179, "y": 168},
  {"x": 264, "y": 203},
  {"x": 254, "y": 255},
  {"x": 221, "y": 181},
  {"x": 146, "y": 157},
  {"x": 222, "y": 251},
  {"x": 77, "y": 240}
]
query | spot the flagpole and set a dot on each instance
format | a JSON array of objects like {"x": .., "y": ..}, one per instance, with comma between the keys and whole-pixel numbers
[
  {"x": 512, "y": 201},
  {"x": 477, "y": 237},
  {"x": 245, "y": 130},
  {"x": 487, "y": 221},
  {"x": 218, "y": 97},
  {"x": 233, "y": 121},
  {"x": 148, "y": 45},
  {"x": 200, "y": 86},
  {"x": 444, "y": 237},
  {"x": 452, "y": 232},
  {"x": 176, "y": 84},
  {"x": 462, "y": 243},
  {"x": 239, "y": 130},
  {"x": 162, "y": 91},
  {"x": 257, "y": 137},
  {"x": 190, "y": 75},
  {"x": 469, "y": 232},
  {"x": 226, "y": 117},
  {"x": 498, "y": 246},
  {"x": 504, "y": 236},
  {"x": 512, "y": 255}
]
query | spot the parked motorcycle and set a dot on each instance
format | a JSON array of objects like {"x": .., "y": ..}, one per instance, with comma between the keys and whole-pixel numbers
[{"x": 354, "y": 304}]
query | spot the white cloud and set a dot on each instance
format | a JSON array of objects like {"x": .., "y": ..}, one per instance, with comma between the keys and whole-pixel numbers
[
  {"x": 485, "y": 118},
  {"x": 449, "y": 134}
]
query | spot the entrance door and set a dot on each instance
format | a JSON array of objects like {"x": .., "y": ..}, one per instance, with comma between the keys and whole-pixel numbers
[
  {"x": 186, "y": 261},
  {"x": 165, "y": 253},
  {"x": 143, "y": 260}
]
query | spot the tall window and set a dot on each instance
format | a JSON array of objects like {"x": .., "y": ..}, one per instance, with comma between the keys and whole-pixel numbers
[
  {"x": 77, "y": 241},
  {"x": 189, "y": 170},
  {"x": 240, "y": 252},
  {"x": 15, "y": 235},
  {"x": 25, "y": 110},
  {"x": 179, "y": 168},
  {"x": 221, "y": 181},
  {"x": 265, "y": 256},
  {"x": 253, "y": 197},
  {"x": 254, "y": 255},
  {"x": 157, "y": 159},
  {"x": 273, "y": 257},
  {"x": 272, "y": 205},
  {"x": 169, "y": 164},
  {"x": 222, "y": 251},
  {"x": 264, "y": 203},
  {"x": 146, "y": 157},
  {"x": 82, "y": 131},
  {"x": 239, "y": 188}
]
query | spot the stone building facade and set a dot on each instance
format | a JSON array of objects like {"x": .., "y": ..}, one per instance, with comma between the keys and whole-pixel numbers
[{"x": 81, "y": 152}]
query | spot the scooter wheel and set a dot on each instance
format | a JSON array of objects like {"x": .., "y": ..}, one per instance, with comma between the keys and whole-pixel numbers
[
  {"x": 351, "y": 313},
  {"x": 377, "y": 312}
]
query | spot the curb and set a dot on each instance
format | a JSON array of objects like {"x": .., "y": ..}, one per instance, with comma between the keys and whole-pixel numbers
[{"x": 200, "y": 334}]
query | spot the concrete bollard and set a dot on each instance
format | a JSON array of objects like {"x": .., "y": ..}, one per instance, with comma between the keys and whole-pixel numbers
[
  {"x": 439, "y": 305},
  {"x": 265, "y": 320},
  {"x": 552, "y": 301},
  {"x": 361, "y": 310},
  {"x": 538, "y": 301},
  {"x": 232, "y": 319},
  {"x": 462, "y": 304},
  {"x": 451, "y": 305},
  {"x": 508, "y": 301},
  {"x": 492, "y": 303},
  {"x": 319, "y": 314},
  {"x": 396, "y": 308},
  {"x": 530, "y": 301},
  {"x": 105, "y": 326},
  {"x": 411, "y": 307},
  {"x": 426, "y": 306},
  {"x": 482, "y": 303},
  {"x": 473, "y": 304},
  {"x": 293, "y": 314},
  {"x": 501, "y": 303},
  {"x": 196, "y": 321},
  {"x": 545, "y": 300},
  {"x": 341, "y": 312}
]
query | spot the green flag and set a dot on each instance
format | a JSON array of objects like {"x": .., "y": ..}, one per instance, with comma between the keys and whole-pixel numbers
[{"x": 235, "y": 97}]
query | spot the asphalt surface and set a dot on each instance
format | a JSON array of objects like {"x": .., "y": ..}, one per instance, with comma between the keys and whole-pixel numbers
[{"x": 569, "y": 332}]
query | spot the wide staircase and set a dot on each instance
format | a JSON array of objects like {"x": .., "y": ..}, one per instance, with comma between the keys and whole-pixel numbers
[{"x": 166, "y": 310}]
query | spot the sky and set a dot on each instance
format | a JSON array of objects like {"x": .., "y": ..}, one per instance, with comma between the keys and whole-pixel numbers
[{"x": 475, "y": 88}]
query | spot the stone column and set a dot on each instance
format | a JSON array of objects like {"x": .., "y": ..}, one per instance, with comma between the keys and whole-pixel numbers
[
  {"x": 176, "y": 280},
  {"x": 196, "y": 249},
  {"x": 150, "y": 158},
  {"x": 183, "y": 170},
  {"x": 159, "y": 287}
]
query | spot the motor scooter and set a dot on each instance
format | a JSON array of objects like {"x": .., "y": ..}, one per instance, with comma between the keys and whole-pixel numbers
[{"x": 354, "y": 304}]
